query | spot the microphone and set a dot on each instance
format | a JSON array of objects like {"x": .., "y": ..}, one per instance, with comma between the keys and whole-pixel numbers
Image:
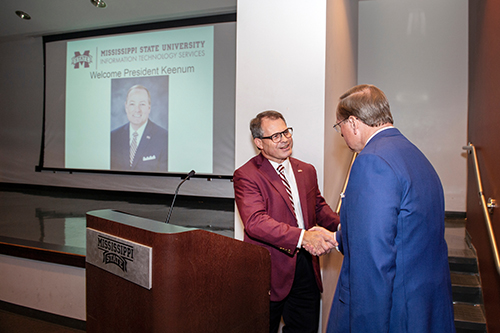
[{"x": 189, "y": 175}]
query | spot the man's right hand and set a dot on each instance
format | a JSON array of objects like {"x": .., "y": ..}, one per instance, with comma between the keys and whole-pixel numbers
[{"x": 319, "y": 241}]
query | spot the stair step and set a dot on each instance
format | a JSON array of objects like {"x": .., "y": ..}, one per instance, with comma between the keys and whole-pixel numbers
[
  {"x": 466, "y": 288},
  {"x": 465, "y": 280},
  {"x": 462, "y": 260},
  {"x": 469, "y": 318},
  {"x": 460, "y": 256},
  {"x": 466, "y": 265}
]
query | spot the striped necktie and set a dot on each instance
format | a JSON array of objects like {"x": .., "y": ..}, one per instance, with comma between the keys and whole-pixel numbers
[
  {"x": 281, "y": 170},
  {"x": 133, "y": 147}
]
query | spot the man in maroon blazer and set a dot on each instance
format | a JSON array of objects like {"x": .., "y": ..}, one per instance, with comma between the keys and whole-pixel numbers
[{"x": 277, "y": 213}]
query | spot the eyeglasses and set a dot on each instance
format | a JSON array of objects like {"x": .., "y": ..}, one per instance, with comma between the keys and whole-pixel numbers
[
  {"x": 337, "y": 125},
  {"x": 276, "y": 137}
]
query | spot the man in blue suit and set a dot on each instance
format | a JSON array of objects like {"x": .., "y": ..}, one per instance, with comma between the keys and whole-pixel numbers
[
  {"x": 395, "y": 275},
  {"x": 140, "y": 144}
]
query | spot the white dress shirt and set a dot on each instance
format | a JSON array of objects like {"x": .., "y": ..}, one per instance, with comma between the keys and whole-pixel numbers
[{"x": 290, "y": 177}]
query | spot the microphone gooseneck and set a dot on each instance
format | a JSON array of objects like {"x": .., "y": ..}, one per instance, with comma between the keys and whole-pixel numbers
[{"x": 189, "y": 175}]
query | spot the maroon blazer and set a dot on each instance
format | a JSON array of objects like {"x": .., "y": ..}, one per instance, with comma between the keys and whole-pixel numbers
[{"x": 269, "y": 220}]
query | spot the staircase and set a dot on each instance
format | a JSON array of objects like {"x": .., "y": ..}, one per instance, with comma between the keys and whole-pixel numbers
[{"x": 465, "y": 280}]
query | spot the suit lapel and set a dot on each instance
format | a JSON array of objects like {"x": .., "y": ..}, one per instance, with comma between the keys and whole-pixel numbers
[{"x": 125, "y": 146}]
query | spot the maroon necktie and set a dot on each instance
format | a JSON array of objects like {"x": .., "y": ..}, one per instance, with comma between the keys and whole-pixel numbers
[{"x": 281, "y": 170}]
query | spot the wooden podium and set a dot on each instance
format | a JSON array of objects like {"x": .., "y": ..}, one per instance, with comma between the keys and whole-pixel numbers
[{"x": 148, "y": 276}]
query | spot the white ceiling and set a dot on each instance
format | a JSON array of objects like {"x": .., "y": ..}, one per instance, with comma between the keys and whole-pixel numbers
[{"x": 50, "y": 17}]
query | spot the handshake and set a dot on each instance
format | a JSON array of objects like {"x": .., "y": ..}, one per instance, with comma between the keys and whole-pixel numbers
[{"x": 318, "y": 241}]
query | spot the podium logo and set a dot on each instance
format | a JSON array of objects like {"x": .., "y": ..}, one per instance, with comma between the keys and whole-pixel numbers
[
  {"x": 81, "y": 59},
  {"x": 115, "y": 252}
]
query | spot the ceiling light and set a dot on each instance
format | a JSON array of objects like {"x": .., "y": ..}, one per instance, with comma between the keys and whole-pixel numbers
[
  {"x": 23, "y": 15},
  {"x": 98, "y": 3}
]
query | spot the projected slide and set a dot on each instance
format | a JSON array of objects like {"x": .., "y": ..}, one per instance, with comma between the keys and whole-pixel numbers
[
  {"x": 155, "y": 99},
  {"x": 141, "y": 102}
]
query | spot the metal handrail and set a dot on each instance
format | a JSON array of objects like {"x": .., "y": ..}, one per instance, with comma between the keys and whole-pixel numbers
[
  {"x": 491, "y": 234},
  {"x": 345, "y": 183}
]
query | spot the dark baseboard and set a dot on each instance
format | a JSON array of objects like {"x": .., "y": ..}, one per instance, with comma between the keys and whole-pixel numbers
[
  {"x": 45, "y": 316},
  {"x": 63, "y": 255},
  {"x": 455, "y": 215}
]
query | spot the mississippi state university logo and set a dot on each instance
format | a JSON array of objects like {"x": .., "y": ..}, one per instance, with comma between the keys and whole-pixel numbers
[
  {"x": 129, "y": 260},
  {"x": 81, "y": 59},
  {"x": 115, "y": 252}
]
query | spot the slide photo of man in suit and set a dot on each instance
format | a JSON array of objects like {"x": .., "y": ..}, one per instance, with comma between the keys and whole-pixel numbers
[
  {"x": 140, "y": 144},
  {"x": 395, "y": 275},
  {"x": 278, "y": 200}
]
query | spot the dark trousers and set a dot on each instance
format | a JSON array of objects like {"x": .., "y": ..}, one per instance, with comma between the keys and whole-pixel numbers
[{"x": 300, "y": 309}]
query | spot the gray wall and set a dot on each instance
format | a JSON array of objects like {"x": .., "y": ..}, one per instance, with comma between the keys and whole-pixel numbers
[{"x": 416, "y": 51}]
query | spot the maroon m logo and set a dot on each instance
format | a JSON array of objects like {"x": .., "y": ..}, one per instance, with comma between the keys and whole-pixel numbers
[{"x": 81, "y": 59}]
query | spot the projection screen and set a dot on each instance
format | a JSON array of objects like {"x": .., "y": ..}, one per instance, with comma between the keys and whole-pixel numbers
[{"x": 148, "y": 101}]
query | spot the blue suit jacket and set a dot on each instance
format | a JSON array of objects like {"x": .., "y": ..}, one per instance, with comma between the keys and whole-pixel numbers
[
  {"x": 395, "y": 275},
  {"x": 151, "y": 154}
]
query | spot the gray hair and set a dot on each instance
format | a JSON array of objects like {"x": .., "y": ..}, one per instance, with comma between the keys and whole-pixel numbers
[{"x": 366, "y": 102}]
